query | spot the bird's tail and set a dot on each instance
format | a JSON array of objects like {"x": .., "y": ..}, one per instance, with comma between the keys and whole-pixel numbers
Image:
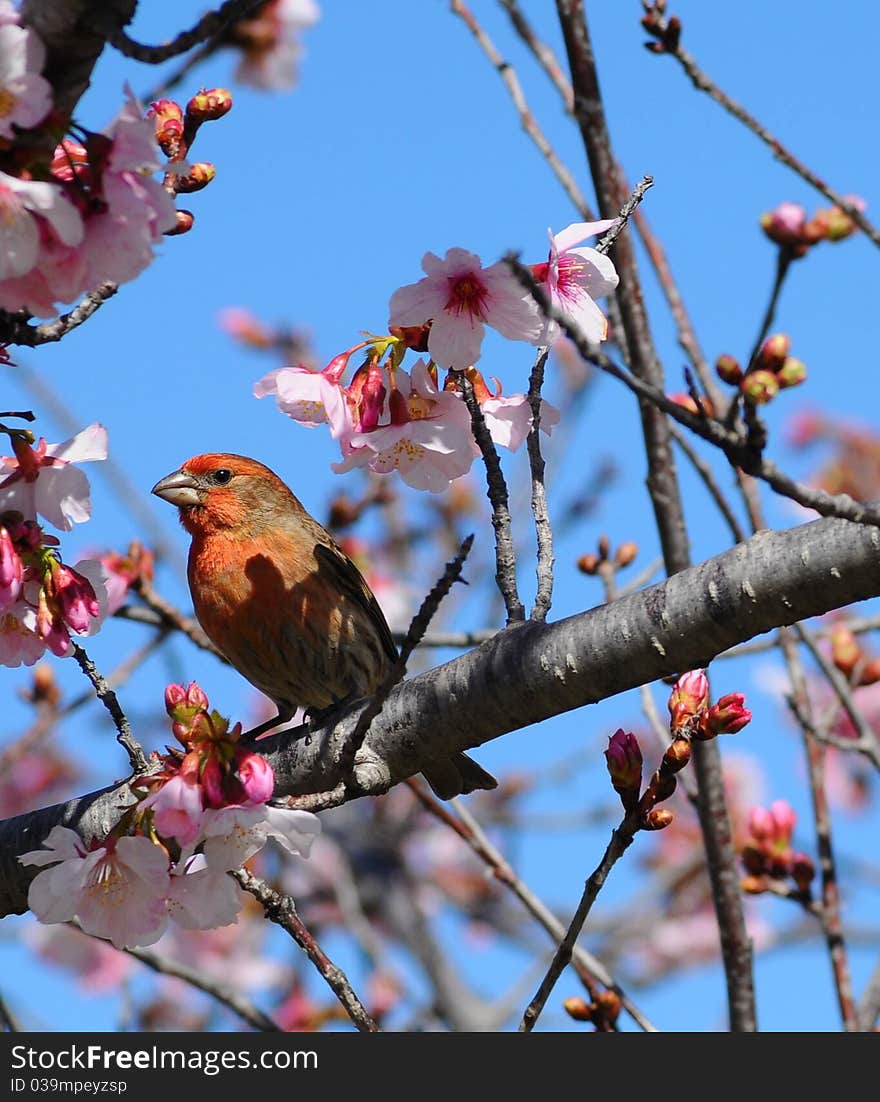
[{"x": 456, "y": 776}]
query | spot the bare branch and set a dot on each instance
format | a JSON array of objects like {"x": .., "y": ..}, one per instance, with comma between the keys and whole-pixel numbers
[
  {"x": 211, "y": 24},
  {"x": 280, "y": 909},
  {"x": 107, "y": 696}
]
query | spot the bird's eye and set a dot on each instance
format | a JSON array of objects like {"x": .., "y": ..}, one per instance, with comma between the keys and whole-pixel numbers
[{"x": 222, "y": 476}]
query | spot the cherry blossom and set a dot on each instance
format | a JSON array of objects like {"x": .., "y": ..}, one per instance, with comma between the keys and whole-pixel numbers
[
  {"x": 25, "y": 96},
  {"x": 460, "y": 297},
  {"x": 310, "y": 397},
  {"x": 428, "y": 441},
  {"x": 200, "y": 898},
  {"x": 574, "y": 279},
  {"x": 42, "y": 481},
  {"x": 30, "y": 212},
  {"x": 117, "y": 890}
]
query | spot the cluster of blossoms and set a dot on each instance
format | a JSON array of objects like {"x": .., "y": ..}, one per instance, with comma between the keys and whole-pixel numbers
[
  {"x": 76, "y": 213},
  {"x": 212, "y": 796},
  {"x": 768, "y": 855},
  {"x": 691, "y": 718},
  {"x": 388, "y": 418},
  {"x": 772, "y": 370},
  {"x": 43, "y": 601},
  {"x": 788, "y": 226}
]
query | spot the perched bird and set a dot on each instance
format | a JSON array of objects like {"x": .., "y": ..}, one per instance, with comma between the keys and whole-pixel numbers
[{"x": 281, "y": 600}]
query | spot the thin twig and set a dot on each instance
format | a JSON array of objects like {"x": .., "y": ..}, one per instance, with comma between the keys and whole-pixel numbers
[
  {"x": 829, "y": 914},
  {"x": 508, "y": 74},
  {"x": 107, "y": 696},
  {"x": 543, "y": 528},
  {"x": 545, "y": 56},
  {"x": 783, "y": 263},
  {"x": 623, "y": 215},
  {"x": 235, "y": 1002},
  {"x": 867, "y": 742},
  {"x": 621, "y": 839},
  {"x": 469, "y": 830},
  {"x": 171, "y": 617},
  {"x": 49, "y": 717},
  {"x": 173, "y": 79},
  {"x": 417, "y": 628},
  {"x": 705, "y": 84},
  {"x": 687, "y": 334},
  {"x": 16, "y": 330},
  {"x": 731, "y": 443},
  {"x": 280, "y": 909},
  {"x": 211, "y": 24},
  {"x": 505, "y": 554},
  {"x": 705, "y": 472}
]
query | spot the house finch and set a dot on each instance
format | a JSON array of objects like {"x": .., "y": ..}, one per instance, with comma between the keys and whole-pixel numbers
[{"x": 281, "y": 601}]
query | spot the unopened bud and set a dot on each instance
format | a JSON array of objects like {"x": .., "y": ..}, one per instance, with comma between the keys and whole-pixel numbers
[
  {"x": 579, "y": 1009},
  {"x": 802, "y": 871},
  {"x": 728, "y": 715},
  {"x": 845, "y": 650},
  {"x": 677, "y": 755},
  {"x": 760, "y": 387},
  {"x": 604, "y": 547},
  {"x": 792, "y": 373},
  {"x": 588, "y": 564},
  {"x": 167, "y": 116},
  {"x": 626, "y": 553},
  {"x": 183, "y": 223},
  {"x": 208, "y": 105},
  {"x": 663, "y": 787},
  {"x": 688, "y": 699},
  {"x": 728, "y": 370},
  {"x": 44, "y": 689},
  {"x": 609, "y": 1005},
  {"x": 773, "y": 352},
  {"x": 785, "y": 224},
  {"x": 624, "y": 760},
  {"x": 658, "y": 819},
  {"x": 871, "y": 672},
  {"x": 753, "y": 885},
  {"x": 199, "y": 176}
]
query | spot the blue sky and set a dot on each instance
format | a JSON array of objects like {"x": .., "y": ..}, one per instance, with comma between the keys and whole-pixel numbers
[{"x": 401, "y": 139}]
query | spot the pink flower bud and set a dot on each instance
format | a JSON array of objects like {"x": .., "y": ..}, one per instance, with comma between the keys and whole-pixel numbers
[
  {"x": 689, "y": 697},
  {"x": 175, "y": 695},
  {"x": 74, "y": 598},
  {"x": 785, "y": 224},
  {"x": 212, "y": 783},
  {"x": 624, "y": 760},
  {"x": 761, "y": 825},
  {"x": 802, "y": 870},
  {"x": 728, "y": 715},
  {"x": 256, "y": 776},
  {"x": 209, "y": 104},
  {"x": 784, "y": 819},
  {"x": 195, "y": 697}
]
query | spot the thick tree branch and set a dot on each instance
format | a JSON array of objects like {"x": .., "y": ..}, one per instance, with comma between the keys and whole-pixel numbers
[{"x": 534, "y": 671}]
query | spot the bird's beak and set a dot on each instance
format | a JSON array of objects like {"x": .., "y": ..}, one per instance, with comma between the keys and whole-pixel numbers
[{"x": 179, "y": 488}]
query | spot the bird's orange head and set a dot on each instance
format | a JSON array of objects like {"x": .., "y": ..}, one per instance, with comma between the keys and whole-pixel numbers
[{"x": 225, "y": 491}]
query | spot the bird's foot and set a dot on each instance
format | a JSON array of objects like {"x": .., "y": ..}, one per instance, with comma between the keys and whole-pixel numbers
[{"x": 268, "y": 725}]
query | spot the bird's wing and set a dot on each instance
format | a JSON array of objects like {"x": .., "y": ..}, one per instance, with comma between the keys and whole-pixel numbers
[{"x": 351, "y": 582}]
